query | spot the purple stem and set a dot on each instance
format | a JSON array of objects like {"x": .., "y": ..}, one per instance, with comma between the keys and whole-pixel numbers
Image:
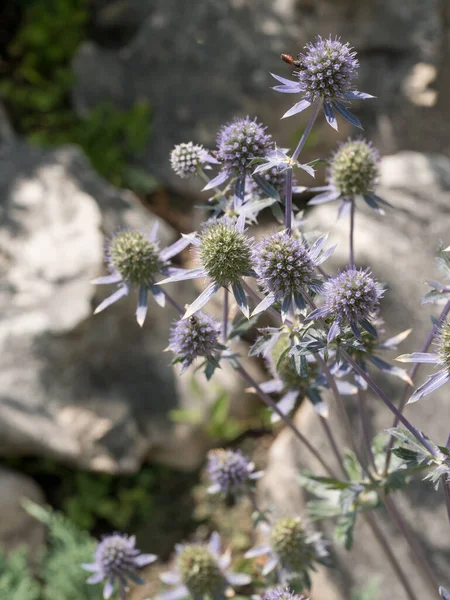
[
  {"x": 412, "y": 374},
  {"x": 173, "y": 302},
  {"x": 370, "y": 519},
  {"x": 416, "y": 433},
  {"x": 225, "y": 315},
  {"x": 268, "y": 400},
  {"x": 288, "y": 182}
]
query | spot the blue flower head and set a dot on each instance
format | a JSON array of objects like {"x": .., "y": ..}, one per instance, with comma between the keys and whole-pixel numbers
[
  {"x": 353, "y": 170},
  {"x": 230, "y": 472},
  {"x": 201, "y": 570},
  {"x": 194, "y": 337},
  {"x": 225, "y": 256},
  {"x": 117, "y": 560},
  {"x": 351, "y": 297},
  {"x": 134, "y": 261},
  {"x": 326, "y": 71},
  {"x": 186, "y": 158}
]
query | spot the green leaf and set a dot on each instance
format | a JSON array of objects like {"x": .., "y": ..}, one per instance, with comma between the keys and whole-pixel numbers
[{"x": 343, "y": 532}]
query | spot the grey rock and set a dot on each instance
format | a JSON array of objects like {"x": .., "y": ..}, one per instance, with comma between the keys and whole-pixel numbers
[
  {"x": 95, "y": 391},
  {"x": 400, "y": 248},
  {"x": 17, "y": 527},
  {"x": 200, "y": 64}
]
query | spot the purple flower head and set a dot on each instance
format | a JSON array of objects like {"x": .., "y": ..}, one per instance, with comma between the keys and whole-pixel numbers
[
  {"x": 276, "y": 179},
  {"x": 201, "y": 570},
  {"x": 328, "y": 68},
  {"x": 285, "y": 268},
  {"x": 441, "y": 358},
  {"x": 230, "y": 471},
  {"x": 239, "y": 142},
  {"x": 224, "y": 253},
  {"x": 351, "y": 297},
  {"x": 353, "y": 171},
  {"x": 282, "y": 593},
  {"x": 291, "y": 548},
  {"x": 194, "y": 337},
  {"x": 134, "y": 261},
  {"x": 116, "y": 560},
  {"x": 186, "y": 158},
  {"x": 326, "y": 71}
]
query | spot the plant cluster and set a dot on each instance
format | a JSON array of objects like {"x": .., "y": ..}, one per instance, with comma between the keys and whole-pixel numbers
[{"x": 326, "y": 333}]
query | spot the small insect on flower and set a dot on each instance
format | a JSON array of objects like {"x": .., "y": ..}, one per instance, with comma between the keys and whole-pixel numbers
[
  {"x": 353, "y": 171},
  {"x": 325, "y": 74},
  {"x": 441, "y": 358},
  {"x": 117, "y": 560},
  {"x": 224, "y": 253},
  {"x": 187, "y": 158},
  {"x": 134, "y": 261},
  {"x": 292, "y": 548},
  {"x": 351, "y": 297},
  {"x": 230, "y": 472},
  {"x": 201, "y": 570}
]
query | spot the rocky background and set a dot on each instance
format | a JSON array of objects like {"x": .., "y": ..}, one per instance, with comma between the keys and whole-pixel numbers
[{"x": 95, "y": 392}]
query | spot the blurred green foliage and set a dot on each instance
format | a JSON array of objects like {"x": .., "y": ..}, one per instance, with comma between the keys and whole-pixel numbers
[
  {"x": 119, "y": 501},
  {"x": 37, "y": 92},
  {"x": 58, "y": 568}
]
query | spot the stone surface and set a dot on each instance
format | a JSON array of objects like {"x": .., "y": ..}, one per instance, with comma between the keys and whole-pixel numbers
[
  {"x": 94, "y": 391},
  {"x": 17, "y": 527},
  {"x": 400, "y": 248},
  {"x": 201, "y": 65}
]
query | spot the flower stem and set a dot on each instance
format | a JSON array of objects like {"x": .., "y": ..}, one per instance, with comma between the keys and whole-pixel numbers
[
  {"x": 412, "y": 374},
  {"x": 365, "y": 426},
  {"x": 268, "y": 400},
  {"x": 225, "y": 315},
  {"x": 333, "y": 444},
  {"x": 416, "y": 433},
  {"x": 352, "y": 232},
  {"x": 288, "y": 182},
  {"x": 409, "y": 536},
  {"x": 370, "y": 520},
  {"x": 172, "y": 302}
]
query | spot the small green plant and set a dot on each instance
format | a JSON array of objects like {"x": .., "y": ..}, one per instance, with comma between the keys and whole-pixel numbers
[
  {"x": 16, "y": 581},
  {"x": 37, "y": 92},
  {"x": 59, "y": 576}
]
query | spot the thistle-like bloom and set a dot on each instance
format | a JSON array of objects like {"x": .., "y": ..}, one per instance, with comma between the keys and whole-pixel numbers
[
  {"x": 353, "y": 171},
  {"x": 201, "y": 570},
  {"x": 282, "y": 593},
  {"x": 292, "y": 386},
  {"x": 441, "y": 358},
  {"x": 230, "y": 472},
  {"x": 285, "y": 267},
  {"x": 351, "y": 297},
  {"x": 291, "y": 548},
  {"x": 326, "y": 71},
  {"x": 134, "y": 261},
  {"x": 194, "y": 337},
  {"x": 117, "y": 560},
  {"x": 224, "y": 253},
  {"x": 238, "y": 144},
  {"x": 186, "y": 158}
]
